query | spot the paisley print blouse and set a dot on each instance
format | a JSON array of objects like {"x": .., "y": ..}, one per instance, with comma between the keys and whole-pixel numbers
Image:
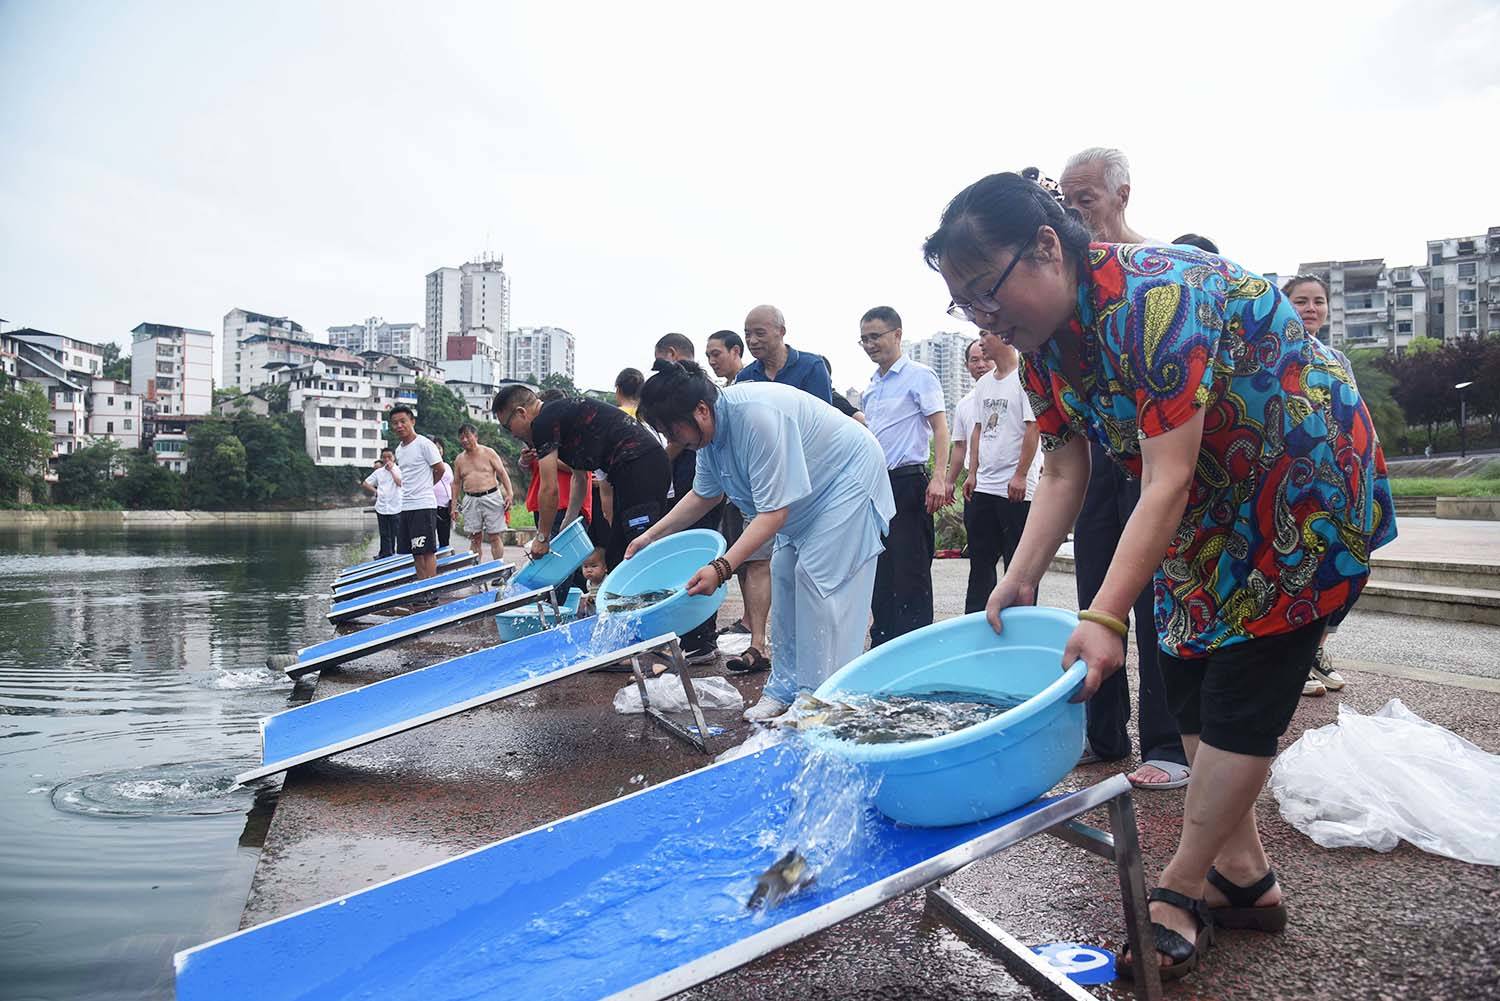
[{"x": 1290, "y": 495}]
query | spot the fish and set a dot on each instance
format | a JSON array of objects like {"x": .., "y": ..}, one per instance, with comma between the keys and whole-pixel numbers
[
  {"x": 609, "y": 602},
  {"x": 788, "y": 875}
]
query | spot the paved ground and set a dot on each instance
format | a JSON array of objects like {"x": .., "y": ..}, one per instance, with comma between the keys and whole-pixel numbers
[{"x": 1403, "y": 925}]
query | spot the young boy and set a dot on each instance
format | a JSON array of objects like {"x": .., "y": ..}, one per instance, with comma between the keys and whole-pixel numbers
[{"x": 594, "y": 572}]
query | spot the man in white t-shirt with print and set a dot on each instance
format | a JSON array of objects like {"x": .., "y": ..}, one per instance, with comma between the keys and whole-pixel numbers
[
  {"x": 978, "y": 363},
  {"x": 421, "y": 466},
  {"x": 1003, "y": 445},
  {"x": 385, "y": 484}
]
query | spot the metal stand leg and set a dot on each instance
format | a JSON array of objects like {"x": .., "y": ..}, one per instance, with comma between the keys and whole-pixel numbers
[
  {"x": 1133, "y": 893},
  {"x": 697, "y": 737},
  {"x": 680, "y": 662},
  {"x": 1020, "y": 960}
]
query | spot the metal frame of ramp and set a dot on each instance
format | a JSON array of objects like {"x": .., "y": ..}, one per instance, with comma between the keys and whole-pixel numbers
[
  {"x": 639, "y": 898},
  {"x": 326, "y": 727},
  {"x": 373, "y": 639},
  {"x": 342, "y": 611},
  {"x": 400, "y": 575},
  {"x": 374, "y": 568}
]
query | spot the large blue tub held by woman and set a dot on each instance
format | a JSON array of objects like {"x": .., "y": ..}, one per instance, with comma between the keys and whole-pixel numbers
[
  {"x": 986, "y": 769},
  {"x": 667, "y": 565}
]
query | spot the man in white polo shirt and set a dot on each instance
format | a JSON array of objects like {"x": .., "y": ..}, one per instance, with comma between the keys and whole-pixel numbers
[
  {"x": 385, "y": 484},
  {"x": 1007, "y": 462},
  {"x": 904, "y": 408},
  {"x": 421, "y": 466}
]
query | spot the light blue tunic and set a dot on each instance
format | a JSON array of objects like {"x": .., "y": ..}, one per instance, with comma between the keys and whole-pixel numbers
[{"x": 777, "y": 447}]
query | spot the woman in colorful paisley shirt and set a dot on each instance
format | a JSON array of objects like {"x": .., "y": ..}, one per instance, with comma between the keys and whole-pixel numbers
[{"x": 1263, "y": 493}]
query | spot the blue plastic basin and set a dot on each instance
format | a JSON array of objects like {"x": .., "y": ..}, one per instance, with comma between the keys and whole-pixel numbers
[
  {"x": 982, "y": 770},
  {"x": 566, "y": 553},
  {"x": 668, "y": 563},
  {"x": 518, "y": 622}
]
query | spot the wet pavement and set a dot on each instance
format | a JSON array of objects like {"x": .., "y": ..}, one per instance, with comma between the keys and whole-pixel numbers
[{"x": 1364, "y": 925}]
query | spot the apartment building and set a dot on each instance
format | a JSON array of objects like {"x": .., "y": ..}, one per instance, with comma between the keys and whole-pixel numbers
[
  {"x": 173, "y": 367},
  {"x": 943, "y": 352},
  {"x": 1463, "y": 281},
  {"x": 1371, "y": 305},
  {"x": 114, "y": 412},
  {"x": 240, "y": 370}
]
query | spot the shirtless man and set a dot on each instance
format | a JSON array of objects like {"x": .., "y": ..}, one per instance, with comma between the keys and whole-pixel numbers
[{"x": 483, "y": 492}]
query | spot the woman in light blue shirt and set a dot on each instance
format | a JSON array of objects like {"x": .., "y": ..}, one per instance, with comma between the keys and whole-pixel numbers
[{"x": 801, "y": 472}]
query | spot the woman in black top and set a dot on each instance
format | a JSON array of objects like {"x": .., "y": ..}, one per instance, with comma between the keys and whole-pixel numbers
[{"x": 587, "y": 434}]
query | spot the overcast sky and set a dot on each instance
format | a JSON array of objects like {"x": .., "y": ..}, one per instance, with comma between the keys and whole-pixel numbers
[{"x": 650, "y": 167}]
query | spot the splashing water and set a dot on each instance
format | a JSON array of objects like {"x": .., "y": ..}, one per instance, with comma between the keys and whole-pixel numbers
[
  {"x": 180, "y": 790},
  {"x": 619, "y": 604}
]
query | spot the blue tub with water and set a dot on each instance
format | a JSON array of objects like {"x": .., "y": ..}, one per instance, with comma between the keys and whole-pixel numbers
[
  {"x": 517, "y": 622},
  {"x": 986, "y": 769},
  {"x": 566, "y": 553},
  {"x": 667, "y": 564}
]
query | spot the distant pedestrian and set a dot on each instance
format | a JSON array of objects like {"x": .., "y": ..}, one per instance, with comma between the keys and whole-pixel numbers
[
  {"x": 777, "y": 361},
  {"x": 384, "y": 484},
  {"x": 905, "y": 410},
  {"x": 484, "y": 493},
  {"x": 421, "y": 467},
  {"x": 442, "y": 490},
  {"x": 960, "y": 459},
  {"x": 1007, "y": 461},
  {"x": 726, "y": 355}
]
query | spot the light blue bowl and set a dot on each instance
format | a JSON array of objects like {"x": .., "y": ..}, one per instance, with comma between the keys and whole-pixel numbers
[
  {"x": 567, "y": 551},
  {"x": 669, "y": 563},
  {"x": 986, "y": 769},
  {"x": 518, "y": 622}
]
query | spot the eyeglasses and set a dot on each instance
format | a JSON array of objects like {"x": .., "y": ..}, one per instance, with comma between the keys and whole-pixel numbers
[
  {"x": 872, "y": 338},
  {"x": 986, "y": 303}
]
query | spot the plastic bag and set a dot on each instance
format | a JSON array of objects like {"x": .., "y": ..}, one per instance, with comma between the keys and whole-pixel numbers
[
  {"x": 1370, "y": 781},
  {"x": 666, "y": 694}
]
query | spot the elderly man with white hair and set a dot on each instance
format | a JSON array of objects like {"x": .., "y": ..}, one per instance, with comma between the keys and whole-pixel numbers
[{"x": 1096, "y": 182}]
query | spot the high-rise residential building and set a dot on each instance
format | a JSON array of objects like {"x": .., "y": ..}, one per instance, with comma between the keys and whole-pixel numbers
[
  {"x": 172, "y": 367},
  {"x": 537, "y": 352},
  {"x": 239, "y": 326},
  {"x": 943, "y": 352},
  {"x": 1463, "y": 284},
  {"x": 472, "y": 300},
  {"x": 377, "y": 335},
  {"x": 1371, "y": 305},
  {"x": 116, "y": 413}
]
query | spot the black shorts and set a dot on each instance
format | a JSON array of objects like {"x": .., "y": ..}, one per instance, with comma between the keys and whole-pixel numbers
[
  {"x": 1241, "y": 698},
  {"x": 417, "y": 532}
]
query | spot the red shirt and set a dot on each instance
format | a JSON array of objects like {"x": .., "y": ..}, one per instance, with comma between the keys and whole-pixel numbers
[{"x": 564, "y": 485}]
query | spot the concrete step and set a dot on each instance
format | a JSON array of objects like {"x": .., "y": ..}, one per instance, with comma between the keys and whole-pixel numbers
[
  {"x": 1416, "y": 507},
  {"x": 1453, "y": 591}
]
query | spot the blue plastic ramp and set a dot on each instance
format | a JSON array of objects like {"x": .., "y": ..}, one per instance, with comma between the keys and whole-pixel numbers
[
  {"x": 400, "y": 575},
  {"x": 373, "y": 568},
  {"x": 390, "y": 597},
  {"x": 367, "y": 641},
  {"x": 405, "y": 702},
  {"x": 642, "y": 897}
]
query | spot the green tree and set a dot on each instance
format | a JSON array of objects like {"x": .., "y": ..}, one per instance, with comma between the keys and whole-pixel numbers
[
  {"x": 558, "y": 380},
  {"x": 1376, "y": 387},
  {"x": 440, "y": 412},
  {"x": 272, "y": 472},
  {"x": 148, "y": 485},
  {"x": 25, "y": 436},
  {"x": 276, "y": 396},
  {"x": 216, "y": 467},
  {"x": 87, "y": 476},
  {"x": 116, "y": 366},
  {"x": 1423, "y": 345}
]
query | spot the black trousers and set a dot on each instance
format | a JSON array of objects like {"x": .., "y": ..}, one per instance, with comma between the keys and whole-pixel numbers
[
  {"x": 1111, "y": 496},
  {"x": 995, "y": 525},
  {"x": 902, "y": 600},
  {"x": 640, "y": 488},
  {"x": 387, "y": 523},
  {"x": 705, "y": 635},
  {"x": 444, "y": 525}
]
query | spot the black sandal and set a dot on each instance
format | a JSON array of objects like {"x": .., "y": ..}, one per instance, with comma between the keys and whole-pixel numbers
[
  {"x": 1183, "y": 954},
  {"x": 749, "y": 662},
  {"x": 1241, "y": 911}
]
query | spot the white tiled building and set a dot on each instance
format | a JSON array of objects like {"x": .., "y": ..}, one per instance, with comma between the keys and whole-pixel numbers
[
  {"x": 943, "y": 352},
  {"x": 537, "y": 352},
  {"x": 65, "y": 368},
  {"x": 239, "y": 370},
  {"x": 173, "y": 367},
  {"x": 343, "y": 425},
  {"x": 1463, "y": 282},
  {"x": 261, "y": 355},
  {"x": 472, "y": 299},
  {"x": 115, "y": 412},
  {"x": 377, "y": 335}
]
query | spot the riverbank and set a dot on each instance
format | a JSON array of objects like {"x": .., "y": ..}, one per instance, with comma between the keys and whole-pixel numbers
[{"x": 59, "y": 518}]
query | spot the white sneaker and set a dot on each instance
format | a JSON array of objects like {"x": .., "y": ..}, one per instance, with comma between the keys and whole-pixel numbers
[
  {"x": 1313, "y": 686},
  {"x": 765, "y": 709}
]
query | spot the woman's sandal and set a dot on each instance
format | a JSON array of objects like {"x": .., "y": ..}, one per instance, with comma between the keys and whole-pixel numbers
[
  {"x": 1241, "y": 911},
  {"x": 1183, "y": 954},
  {"x": 749, "y": 662}
]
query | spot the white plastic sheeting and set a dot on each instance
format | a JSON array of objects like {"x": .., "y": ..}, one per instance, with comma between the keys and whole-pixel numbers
[
  {"x": 666, "y": 694},
  {"x": 1371, "y": 781}
]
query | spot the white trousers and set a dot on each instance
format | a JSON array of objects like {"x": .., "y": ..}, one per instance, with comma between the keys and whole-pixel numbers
[{"x": 813, "y": 636}]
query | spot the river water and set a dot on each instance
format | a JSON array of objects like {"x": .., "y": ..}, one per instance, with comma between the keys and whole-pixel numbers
[{"x": 132, "y": 680}]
